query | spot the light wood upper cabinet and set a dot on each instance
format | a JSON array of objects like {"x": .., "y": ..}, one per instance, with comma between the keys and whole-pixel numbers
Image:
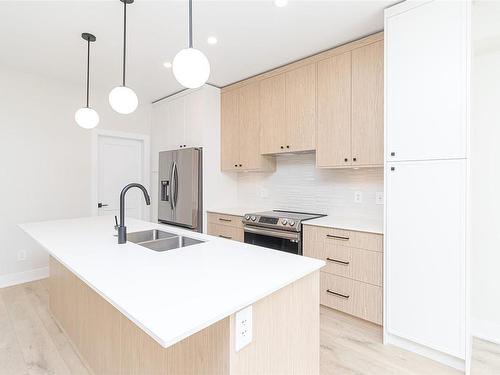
[
  {"x": 230, "y": 131},
  {"x": 301, "y": 109},
  {"x": 240, "y": 131},
  {"x": 350, "y": 108},
  {"x": 368, "y": 105},
  {"x": 334, "y": 111},
  {"x": 288, "y": 111},
  {"x": 272, "y": 114}
]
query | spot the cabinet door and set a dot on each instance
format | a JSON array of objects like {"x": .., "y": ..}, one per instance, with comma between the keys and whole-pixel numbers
[
  {"x": 272, "y": 115},
  {"x": 334, "y": 112},
  {"x": 195, "y": 118},
  {"x": 427, "y": 82},
  {"x": 301, "y": 109},
  {"x": 176, "y": 121},
  {"x": 248, "y": 110},
  {"x": 425, "y": 253},
  {"x": 367, "y": 128},
  {"x": 230, "y": 131}
]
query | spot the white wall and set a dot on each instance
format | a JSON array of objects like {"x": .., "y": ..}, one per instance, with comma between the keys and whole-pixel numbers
[
  {"x": 485, "y": 174},
  {"x": 45, "y": 158},
  {"x": 298, "y": 185}
]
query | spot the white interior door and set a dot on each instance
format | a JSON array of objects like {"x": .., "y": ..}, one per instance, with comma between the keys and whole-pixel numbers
[
  {"x": 119, "y": 162},
  {"x": 425, "y": 253}
]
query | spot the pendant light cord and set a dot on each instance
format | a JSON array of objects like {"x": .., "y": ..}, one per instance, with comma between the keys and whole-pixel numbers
[
  {"x": 190, "y": 32},
  {"x": 88, "y": 69},
  {"x": 124, "y": 38}
]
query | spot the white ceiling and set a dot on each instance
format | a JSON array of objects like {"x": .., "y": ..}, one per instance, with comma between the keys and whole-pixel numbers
[{"x": 43, "y": 37}]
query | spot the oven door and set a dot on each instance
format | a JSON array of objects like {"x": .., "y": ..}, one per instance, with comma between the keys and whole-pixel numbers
[{"x": 273, "y": 239}]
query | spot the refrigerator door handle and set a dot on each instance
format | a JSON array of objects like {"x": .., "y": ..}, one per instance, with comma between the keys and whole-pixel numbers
[
  {"x": 171, "y": 200},
  {"x": 176, "y": 184}
]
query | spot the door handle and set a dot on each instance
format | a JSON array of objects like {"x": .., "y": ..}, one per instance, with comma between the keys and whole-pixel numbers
[
  {"x": 101, "y": 205},
  {"x": 176, "y": 184}
]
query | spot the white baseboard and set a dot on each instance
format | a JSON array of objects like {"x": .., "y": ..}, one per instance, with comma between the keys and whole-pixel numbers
[
  {"x": 23, "y": 277},
  {"x": 425, "y": 351},
  {"x": 485, "y": 330}
]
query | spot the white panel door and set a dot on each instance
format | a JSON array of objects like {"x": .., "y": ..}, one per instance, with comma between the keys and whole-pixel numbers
[
  {"x": 425, "y": 253},
  {"x": 426, "y": 62},
  {"x": 119, "y": 162},
  {"x": 176, "y": 120}
]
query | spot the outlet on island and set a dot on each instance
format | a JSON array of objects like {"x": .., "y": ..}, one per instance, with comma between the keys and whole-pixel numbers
[{"x": 243, "y": 328}]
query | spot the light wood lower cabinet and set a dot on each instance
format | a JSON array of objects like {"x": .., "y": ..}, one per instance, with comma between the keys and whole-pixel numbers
[
  {"x": 225, "y": 226},
  {"x": 285, "y": 334},
  {"x": 351, "y": 280}
]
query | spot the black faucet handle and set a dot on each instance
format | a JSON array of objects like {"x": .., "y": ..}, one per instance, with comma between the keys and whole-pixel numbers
[{"x": 116, "y": 223}]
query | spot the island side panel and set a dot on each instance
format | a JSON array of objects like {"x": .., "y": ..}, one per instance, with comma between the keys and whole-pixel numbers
[
  {"x": 285, "y": 332},
  {"x": 110, "y": 343}
]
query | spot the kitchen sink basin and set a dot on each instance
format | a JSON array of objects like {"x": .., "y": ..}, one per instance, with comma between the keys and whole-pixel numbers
[
  {"x": 148, "y": 235},
  {"x": 158, "y": 240}
]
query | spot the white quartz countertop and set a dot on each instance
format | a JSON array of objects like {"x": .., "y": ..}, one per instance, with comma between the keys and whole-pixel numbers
[
  {"x": 173, "y": 294},
  {"x": 349, "y": 223}
]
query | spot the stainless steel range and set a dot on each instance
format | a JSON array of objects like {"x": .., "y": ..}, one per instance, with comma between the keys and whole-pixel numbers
[{"x": 279, "y": 230}]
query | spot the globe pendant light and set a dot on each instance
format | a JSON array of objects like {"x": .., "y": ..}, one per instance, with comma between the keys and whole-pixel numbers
[
  {"x": 122, "y": 98},
  {"x": 86, "y": 117},
  {"x": 190, "y": 66}
]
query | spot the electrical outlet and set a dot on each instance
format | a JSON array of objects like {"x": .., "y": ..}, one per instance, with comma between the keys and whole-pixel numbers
[
  {"x": 243, "y": 327},
  {"x": 358, "y": 197},
  {"x": 379, "y": 197},
  {"x": 21, "y": 255},
  {"x": 263, "y": 192}
]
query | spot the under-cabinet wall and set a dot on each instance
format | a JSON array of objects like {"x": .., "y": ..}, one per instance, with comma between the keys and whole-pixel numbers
[{"x": 298, "y": 185}]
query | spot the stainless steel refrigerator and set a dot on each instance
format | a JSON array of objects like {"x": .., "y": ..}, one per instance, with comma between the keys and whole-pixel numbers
[{"x": 180, "y": 188}]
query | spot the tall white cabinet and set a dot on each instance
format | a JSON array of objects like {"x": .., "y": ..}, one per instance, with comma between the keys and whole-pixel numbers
[
  {"x": 192, "y": 119},
  {"x": 426, "y": 178}
]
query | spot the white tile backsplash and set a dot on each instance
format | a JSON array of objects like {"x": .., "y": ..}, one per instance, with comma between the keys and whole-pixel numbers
[{"x": 298, "y": 185}]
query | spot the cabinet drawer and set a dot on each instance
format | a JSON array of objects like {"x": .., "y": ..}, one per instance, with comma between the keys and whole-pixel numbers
[
  {"x": 358, "y": 264},
  {"x": 222, "y": 219},
  {"x": 360, "y": 240},
  {"x": 352, "y": 297},
  {"x": 225, "y": 231}
]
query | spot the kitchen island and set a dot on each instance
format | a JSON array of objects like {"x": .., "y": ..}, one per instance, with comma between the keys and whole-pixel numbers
[{"x": 129, "y": 309}]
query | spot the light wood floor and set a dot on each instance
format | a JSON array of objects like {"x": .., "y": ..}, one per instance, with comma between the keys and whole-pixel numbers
[
  {"x": 32, "y": 343},
  {"x": 485, "y": 358}
]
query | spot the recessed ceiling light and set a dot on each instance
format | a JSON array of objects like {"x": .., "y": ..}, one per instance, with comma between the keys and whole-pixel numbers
[
  {"x": 167, "y": 64},
  {"x": 212, "y": 40},
  {"x": 281, "y": 3}
]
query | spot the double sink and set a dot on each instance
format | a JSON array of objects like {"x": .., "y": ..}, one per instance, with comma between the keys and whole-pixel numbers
[{"x": 159, "y": 240}]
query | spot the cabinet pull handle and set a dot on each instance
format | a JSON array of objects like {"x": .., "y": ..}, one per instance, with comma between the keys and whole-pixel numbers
[
  {"x": 241, "y": 165},
  {"x": 222, "y": 219},
  {"x": 226, "y": 237},
  {"x": 337, "y": 294},
  {"x": 287, "y": 146},
  {"x": 353, "y": 159},
  {"x": 236, "y": 165},
  {"x": 338, "y": 261},
  {"x": 281, "y": 147},
  {"x": 342, "y": 238},
  {"x": 393, "y": 154},
  {"x": 346, "y": 160},
  {"x": 393, "y": 168}
]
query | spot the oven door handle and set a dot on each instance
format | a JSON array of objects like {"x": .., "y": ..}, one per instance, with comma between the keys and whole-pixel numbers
[{"x": 273, "y": 233}]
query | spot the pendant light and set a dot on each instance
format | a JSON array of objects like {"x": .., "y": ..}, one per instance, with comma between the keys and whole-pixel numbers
[
  {"x": 190, "y": 66},
  {"x": 87, "y": 117},
  {"x": 122, "y": 98}
]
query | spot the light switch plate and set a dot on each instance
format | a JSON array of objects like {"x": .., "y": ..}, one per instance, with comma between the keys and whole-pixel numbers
[
  {"x": 358, "y": 197},
  {"x": 243, "y": 328},
  {"x": 379, "y": 197}
]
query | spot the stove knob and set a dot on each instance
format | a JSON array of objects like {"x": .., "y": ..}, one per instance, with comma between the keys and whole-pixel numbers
[
  {"x": 253, "y": 218},
  {"x": 247, "y": 217},
  {"x": 291, "y": 223},
  {"x": 284, "y": 221}
]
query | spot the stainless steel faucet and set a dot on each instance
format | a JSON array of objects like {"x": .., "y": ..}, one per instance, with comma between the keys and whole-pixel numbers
[{"x": 122, "y": 229}]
